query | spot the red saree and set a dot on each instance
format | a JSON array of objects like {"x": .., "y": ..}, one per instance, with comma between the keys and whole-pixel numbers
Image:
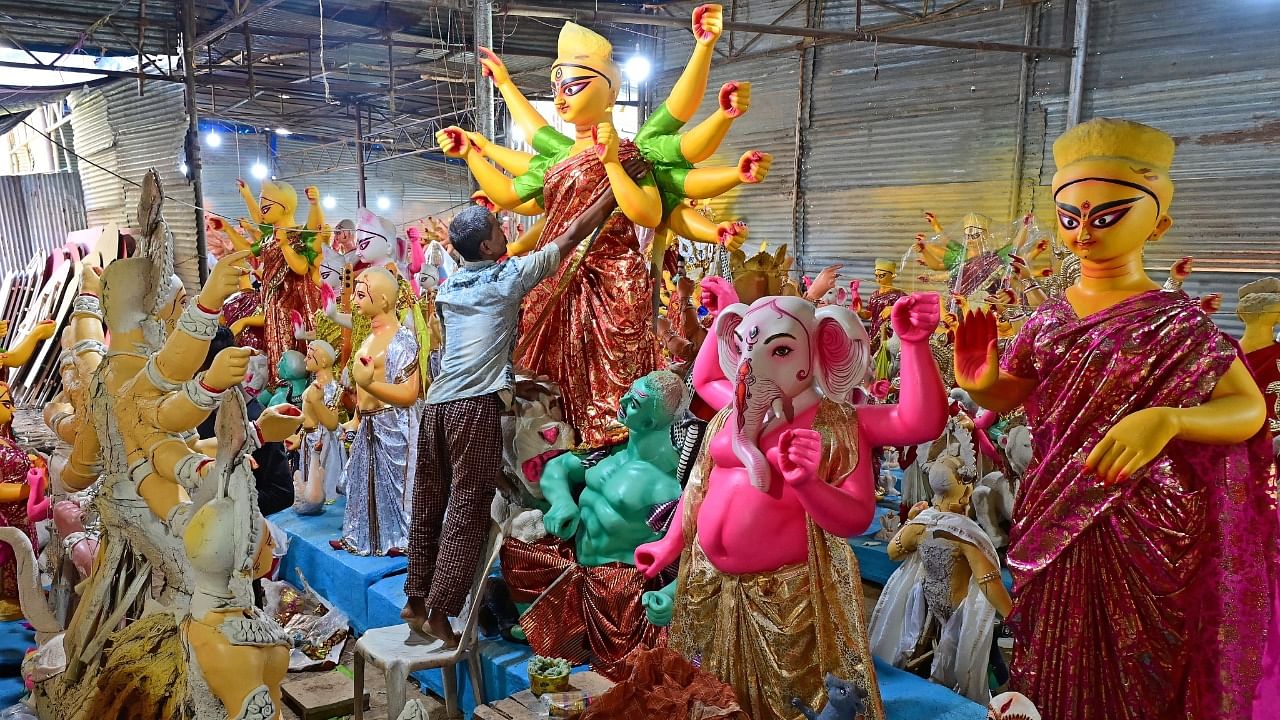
[
  {"x": 284, "y": 290},
  {"x": 589, "y": 327},
  {"x": 1150, "y": 599}
]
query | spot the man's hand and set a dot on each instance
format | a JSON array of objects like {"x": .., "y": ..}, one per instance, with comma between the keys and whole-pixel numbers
[{"x": 224, "y": 279}]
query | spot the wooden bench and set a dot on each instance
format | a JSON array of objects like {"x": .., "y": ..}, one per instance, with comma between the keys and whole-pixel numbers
[{"x": 525, "y": 706}]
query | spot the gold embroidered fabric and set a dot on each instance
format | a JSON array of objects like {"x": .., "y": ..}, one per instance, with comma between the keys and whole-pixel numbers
[{"x": 774, "y": 636}]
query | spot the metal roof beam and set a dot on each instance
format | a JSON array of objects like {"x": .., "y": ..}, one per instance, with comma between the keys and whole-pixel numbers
[
  {"x": 235, "y": 22},
  {"x": 600, "y": 16}
]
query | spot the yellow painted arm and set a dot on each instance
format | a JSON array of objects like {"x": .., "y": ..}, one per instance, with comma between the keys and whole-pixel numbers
[
  {"x": 692, "y": 225},
  {"x": 238, "y": 240},
  {"x": 1235, "y": 412},
  {"x": 294, "y": 259},
  {"x": 13, "y": 492},
  {"x": 638, "y": 201},
  {"x": 515, "y": 162},
  {"x": 315, "y": 215},
  {"x": 82, "y": 467},
  {"x": 686, "y": 94},
  {"x": 709, "y": 182},
  {"x": 239, "y": 326},
  {"x": 703, "y": 139},
  {"x": 250, "y": 202},
  {"x": 20, "y": 354},
  {"x": 994, "y": 590},
  {"x": 529, "y": 120},
  {"x": 497, "y": 186},
  {"x": 528, "y": 241}
]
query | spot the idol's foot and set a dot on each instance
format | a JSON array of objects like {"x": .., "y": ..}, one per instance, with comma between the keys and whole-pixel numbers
[
  {"x": 336, "y": 544},
  {"x": 395, "y": 552}
]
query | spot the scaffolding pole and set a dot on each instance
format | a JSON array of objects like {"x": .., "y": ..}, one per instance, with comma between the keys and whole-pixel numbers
[{"x": 192, "y": 144}]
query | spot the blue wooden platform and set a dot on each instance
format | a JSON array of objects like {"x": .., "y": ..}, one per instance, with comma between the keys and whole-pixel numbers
[
  {"x": 15, "y": 641},
  {"x": 371, "y": 591}
]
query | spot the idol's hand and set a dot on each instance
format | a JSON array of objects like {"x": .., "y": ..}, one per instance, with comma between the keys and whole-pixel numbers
[
  {"x": 708, "y": 23},
  {"x": 562, "y": 520},
  {"x": 1132, "y": 443},
  {"x": 278, "y": 422},
  {"x": 917, "y": 509},
  {"x": 228, "y": 368},
  {"x": 453, "y": 142},
  {"x": 90, "y": 279},
  {"x": 918, "y": 245},
  {"x": 799, "y": 454},
  {"x": 915, "y": 317},
  {"x": 1211, "y": 303},
  {"x": 658, "y": 606},
  {"x": 933, "y": 222},
  {"x": 224, "y": 279},
  {"x": 977, "y": 362},
  {"x": 652, "y": 558},
  {"x": 606, "y": 140},
  {"x": 735, "y": 98},
  {"x": 753, "y": 166},
  {"x": 1180, "y": 271},
  {"x": 313, "y": 194},
  {"x": 493, "y": 67},
  {"x": 732, "y": 235}
]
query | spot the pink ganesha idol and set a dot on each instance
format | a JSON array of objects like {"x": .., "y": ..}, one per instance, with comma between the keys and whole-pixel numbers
[{"x": 768, "y": 596}]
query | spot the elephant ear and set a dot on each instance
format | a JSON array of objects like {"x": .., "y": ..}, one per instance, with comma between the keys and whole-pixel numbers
[
  {"x": 842, "y": 350},
  {"x": 727, "y": 343}
]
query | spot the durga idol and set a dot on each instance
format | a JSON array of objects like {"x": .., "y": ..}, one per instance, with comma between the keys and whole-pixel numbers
[{"x": 1145, "y": 550}]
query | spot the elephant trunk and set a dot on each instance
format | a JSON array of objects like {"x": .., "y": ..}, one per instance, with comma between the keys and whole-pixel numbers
[{"x": 753, "y": 397}]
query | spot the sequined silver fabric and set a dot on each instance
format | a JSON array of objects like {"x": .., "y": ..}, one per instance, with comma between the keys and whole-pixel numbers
[
  {"x": 939, "y": 558},
  {"x": 379, "y": 473}
]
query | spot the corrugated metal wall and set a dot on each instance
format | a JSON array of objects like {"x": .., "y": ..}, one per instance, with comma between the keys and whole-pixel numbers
[
  {"x": 1208, "y": 73},
  {"x": 123, "y": 135},
  {"x": 416, "y": 187},
  {"x": 769, "y": 125},
  {"x": 892, "y": 131},
  {"x": 36, "y": 214}
]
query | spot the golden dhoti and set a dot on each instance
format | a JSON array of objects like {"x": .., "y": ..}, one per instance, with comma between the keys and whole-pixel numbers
[{"x": 773, "y": 636}]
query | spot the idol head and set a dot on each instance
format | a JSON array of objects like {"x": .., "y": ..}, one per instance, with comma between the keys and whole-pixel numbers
[
  {"x": 292, "y": 365},
  {"x": 344, "y": 236},
  {"x": 1260, "y": 302},
  {"x": 652, "y": 402},
  {"x": 976, "y": 227},
  {"x": 376, "y": 292},
  {"x": 584, "y": 76},
  {"x": 950, "y": 493},
  {"x": 376, "y": 242},
  {"x": 320, "y": 356},
  {"x": 6, "y": 405},
  {"x": 278, "y": 201},
  {"x": 760, "y": 275},
  {"x": 1112, "y": 189},
  {"x": 886, "y": 273},
  {"x": 779, "y": 350},
  {"x": 333, "y": 268},
  {"x": 477, "y": 235}
]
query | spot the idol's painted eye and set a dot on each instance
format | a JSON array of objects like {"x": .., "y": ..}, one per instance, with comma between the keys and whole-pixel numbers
[
  {"x": 1069, "y": 222},
  {"x": 1109, "y": 219},
  {"x": 573, "y": 88},
  {"x": 781, "y": 351}
]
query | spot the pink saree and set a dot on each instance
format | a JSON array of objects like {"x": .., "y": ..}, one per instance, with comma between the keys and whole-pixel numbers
[{"x": 1151, "y": 599}]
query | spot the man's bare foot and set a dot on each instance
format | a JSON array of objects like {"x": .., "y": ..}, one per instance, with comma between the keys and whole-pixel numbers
[{"x": 438, "y": 625}]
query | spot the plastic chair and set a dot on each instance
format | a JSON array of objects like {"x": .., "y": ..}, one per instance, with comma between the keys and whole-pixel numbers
[{"x": 398, "y": 654}]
